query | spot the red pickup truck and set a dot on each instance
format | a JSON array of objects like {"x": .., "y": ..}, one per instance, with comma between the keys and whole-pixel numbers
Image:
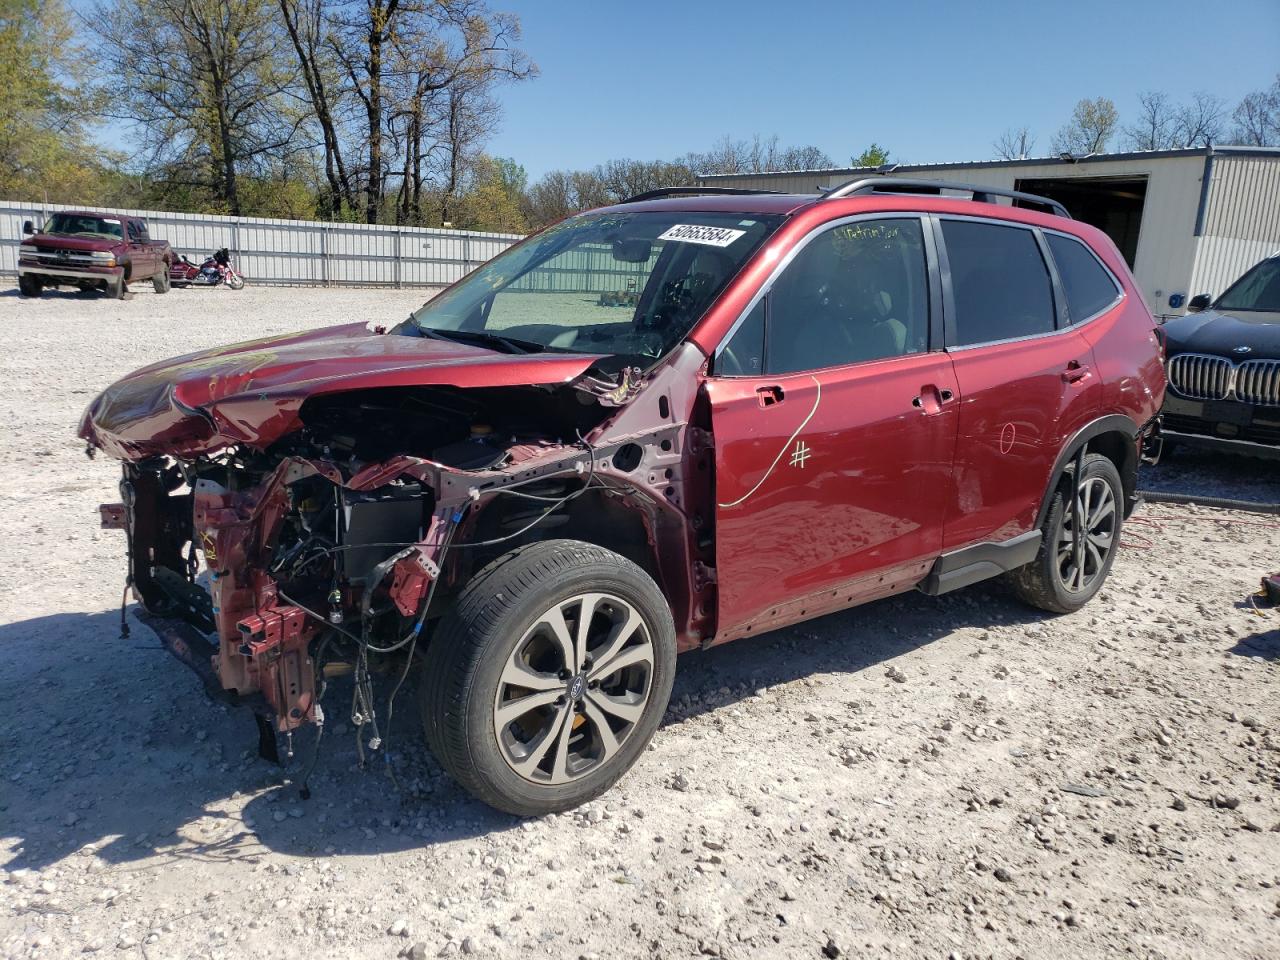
[{"x": 93, "y": 251}]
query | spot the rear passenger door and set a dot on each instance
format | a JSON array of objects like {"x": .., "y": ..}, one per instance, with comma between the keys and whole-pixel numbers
[{"x": 1027, "y": 378}]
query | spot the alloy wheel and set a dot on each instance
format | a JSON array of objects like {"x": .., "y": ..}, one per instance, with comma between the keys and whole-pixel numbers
[
  {"x": 1082, "y": 558},
  {"x": 573, "y": 688}
]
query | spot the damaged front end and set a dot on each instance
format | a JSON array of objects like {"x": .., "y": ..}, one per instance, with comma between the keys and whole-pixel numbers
[{"x": 283, "y": 530}]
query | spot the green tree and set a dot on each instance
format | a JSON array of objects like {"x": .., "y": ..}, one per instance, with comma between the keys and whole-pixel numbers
[
  {"x": 1091, "y": 125},
  {"x": 494, "y": 199},
  {"x": 45, "y": 113},
  {"x": 874, "y": 156}
]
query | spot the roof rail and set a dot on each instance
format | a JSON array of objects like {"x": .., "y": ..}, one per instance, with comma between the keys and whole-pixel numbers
[
  {"x": 691, "y": 192},
  {"x": 981, "y": 194}
]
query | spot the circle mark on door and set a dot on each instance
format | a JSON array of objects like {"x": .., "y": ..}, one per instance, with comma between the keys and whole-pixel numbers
[{"x": 1008, "y": 433}]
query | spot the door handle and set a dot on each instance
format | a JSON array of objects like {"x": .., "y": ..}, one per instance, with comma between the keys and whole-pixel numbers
[
  {"x": 930, "y": 399},
  {"x": 1075, "y": 372},
  {"x": 770, "y": 395}
]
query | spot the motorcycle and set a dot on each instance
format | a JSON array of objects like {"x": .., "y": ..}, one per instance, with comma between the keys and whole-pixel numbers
[{"x": 215, "y": 270}]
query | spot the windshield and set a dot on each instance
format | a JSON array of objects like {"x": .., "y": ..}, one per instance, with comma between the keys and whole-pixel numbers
[
  {"x": 84, "y": 225},
  {"x": 629, "y": 285},
  {"x": 1259, "y": 289}
]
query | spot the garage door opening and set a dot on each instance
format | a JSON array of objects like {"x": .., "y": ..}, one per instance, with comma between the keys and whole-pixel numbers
[{"x": 1112, "y": 204}]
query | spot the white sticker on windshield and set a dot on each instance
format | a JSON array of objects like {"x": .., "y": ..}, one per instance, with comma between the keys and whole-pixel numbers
[
  {"x": 694, "y": 233},
  {"x": 109, "y": 220}
]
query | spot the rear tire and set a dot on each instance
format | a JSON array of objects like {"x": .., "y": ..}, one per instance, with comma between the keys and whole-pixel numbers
[
  {"x": 161, "y": 281},
  {"x": 524, "y": 710},
  {"x": 29, "y": 286},
  {"x": 1061, "y": 580}
]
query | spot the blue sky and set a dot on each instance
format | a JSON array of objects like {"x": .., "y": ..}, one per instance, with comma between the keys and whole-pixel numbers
[{"x": 932, "y": 81}]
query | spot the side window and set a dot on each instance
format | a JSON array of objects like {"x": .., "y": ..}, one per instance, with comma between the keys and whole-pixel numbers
[
  {"x": 999, "y": 282},
  {"x": 743, "y": 355},
  {"x": 856, "y": 292},
  {"x": 133, "y": 231},
  {"x": 141, "y": 228},
  {"x": 1086, "y": 282}
]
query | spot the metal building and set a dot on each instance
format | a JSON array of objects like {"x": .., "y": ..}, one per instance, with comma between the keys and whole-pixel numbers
[{"x": 1187, "y": 221}]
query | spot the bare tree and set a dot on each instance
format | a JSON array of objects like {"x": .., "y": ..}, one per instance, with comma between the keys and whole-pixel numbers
[
  {"x": 307, "y": 29},
  {"x": 562, "y": 192},
  {"x": 757, "y": 155},
  {"x": 393, "y": 49},
  {"x": 1016, "y": 143},
  {"x": 1200, "y": 121},
  {"x": 1091, "y": 126},
  {"x": 204, "y": 83},
  {"x": 1154, "y": 128},
  {"x": 1257, "y": 117}
]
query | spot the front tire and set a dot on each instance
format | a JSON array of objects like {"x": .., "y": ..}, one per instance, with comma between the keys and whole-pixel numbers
[
  {"x": 1066, "y": 575},
  {"x": 549, "y": 676},
  {"x": 28, "y": 285}
]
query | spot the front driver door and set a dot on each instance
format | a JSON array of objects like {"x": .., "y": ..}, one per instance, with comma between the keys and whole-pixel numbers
[{"x": 834, "y": 414}]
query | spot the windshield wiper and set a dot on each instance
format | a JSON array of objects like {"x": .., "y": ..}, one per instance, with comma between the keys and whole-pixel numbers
[{"x": 485, "y": 338}]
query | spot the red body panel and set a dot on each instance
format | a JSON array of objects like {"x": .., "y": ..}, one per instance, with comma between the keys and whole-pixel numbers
[
  {"x": 838, "y": 492},
  {"x": 251, "y": 392},
  {"x": 1019, "y": 402}
]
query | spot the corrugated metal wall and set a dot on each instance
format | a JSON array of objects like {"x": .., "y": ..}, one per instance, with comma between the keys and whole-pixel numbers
[
  {"x": 1241, "y": 222},
  {"x": 588, "y": 269},
  {"x": 296, "y": 252}
]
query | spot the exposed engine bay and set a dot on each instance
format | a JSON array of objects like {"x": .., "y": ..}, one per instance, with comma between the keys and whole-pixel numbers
[{"x": 333, "y": 549}]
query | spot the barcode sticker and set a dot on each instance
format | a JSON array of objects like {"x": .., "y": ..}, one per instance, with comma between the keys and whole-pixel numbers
[{"x": 694, "y": 233}]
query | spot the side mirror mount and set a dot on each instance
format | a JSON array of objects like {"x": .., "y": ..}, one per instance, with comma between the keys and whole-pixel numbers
[
  {"x": 28, "y": 227},
  {"x": 1199, "y": 302}
]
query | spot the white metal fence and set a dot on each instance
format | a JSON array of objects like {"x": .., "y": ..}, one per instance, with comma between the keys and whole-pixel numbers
[{"x": 295, "y": 252}]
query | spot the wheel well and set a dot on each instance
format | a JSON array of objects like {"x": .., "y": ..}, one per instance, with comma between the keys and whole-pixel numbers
[
  {"x": 1114, "y": 437},
  {"x": 593, "y": 517},
  {"x": 1119, "y": 449}
]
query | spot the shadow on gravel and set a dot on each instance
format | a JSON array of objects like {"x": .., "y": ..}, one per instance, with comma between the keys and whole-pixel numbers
[
  {"x": 57, "y": 294},
  {"x": 1265, "y": 645},
  {"x": 846, "y": 642},
  {"x": 111, "y": 742},
  {"x": 1210, "y": 473}
]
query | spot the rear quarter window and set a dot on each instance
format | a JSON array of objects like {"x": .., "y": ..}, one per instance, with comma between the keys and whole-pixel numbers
[{"x": 1089, "y": 286}]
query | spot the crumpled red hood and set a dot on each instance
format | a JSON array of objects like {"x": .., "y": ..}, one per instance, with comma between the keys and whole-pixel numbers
[{"x": 251, "y": 392}]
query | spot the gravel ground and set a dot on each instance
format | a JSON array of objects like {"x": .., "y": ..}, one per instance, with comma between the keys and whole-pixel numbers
[{"x": 949, "y": 777}]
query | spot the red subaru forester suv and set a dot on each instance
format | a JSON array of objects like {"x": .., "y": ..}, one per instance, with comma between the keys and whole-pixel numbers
[{"x": 665, "y": 424}]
